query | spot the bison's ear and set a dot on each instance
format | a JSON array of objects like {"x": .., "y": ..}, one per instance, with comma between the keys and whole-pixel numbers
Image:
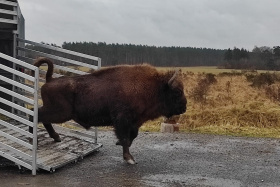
[{"x": 171, "y": 80}]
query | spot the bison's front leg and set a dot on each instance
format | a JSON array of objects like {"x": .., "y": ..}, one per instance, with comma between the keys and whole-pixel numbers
[
  {"x": 126, "y": 135},
  {"x": 126, "y": 143},
  {"x": 127, "y": 156},
  {"x": 133, "y": 134}
]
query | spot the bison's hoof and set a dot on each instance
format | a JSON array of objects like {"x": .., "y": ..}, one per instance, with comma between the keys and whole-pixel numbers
[
  {"x": 130, "y": 161},
  {"x": 56, "y": 138},
  {"x": 118, "y": 143}
]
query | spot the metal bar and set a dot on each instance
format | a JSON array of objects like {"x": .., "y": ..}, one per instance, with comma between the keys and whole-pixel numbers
[
  {"x": 26, "y": 59},
  {"x": 18, "y": 73},
  {"x": 99, "y": 63},
  {"x": 25, "y": 110},
  {"x": 19, "y": 130},
  {"x": 27, "y": 84},
  {"x": 19, "y": 62},
  {"x": 35, "y": 121},
  {"x": 24, "y": 164},
  {"x": 28, "y": 95},
  {"x": 17, "y": 17},
  {"x": 59, "y": 58},
  {"x": 3, "y": 11},
  {"x": 22, "y": 120},
  {"x": 14, "y": 66},
  {"x": 21, "y": 97},
  {"x": 16, "y": 84},
  {"x": 60, "y": 49},
  {"x": 10, "y": 137},
  {"x": 17, "y": 152},
  {"x": 54, "y": 74},
  {"x": 8, "y": 3},
  {"x": 95, "y": 138},
  {"x": 8, "y": 21},
  {"x": 70, "y": 70}
]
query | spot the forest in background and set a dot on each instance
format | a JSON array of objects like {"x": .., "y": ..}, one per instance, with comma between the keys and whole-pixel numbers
[
  {"x": 114, "y": 54},
  {"x": 265, "y": 58}
]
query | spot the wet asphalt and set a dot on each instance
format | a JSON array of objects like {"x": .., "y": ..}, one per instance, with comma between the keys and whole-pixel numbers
[{"x": 164, "y": 160}]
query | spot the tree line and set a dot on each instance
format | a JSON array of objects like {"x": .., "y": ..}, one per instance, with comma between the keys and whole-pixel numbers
[
  {"x": 113, "y": 54},
  {"x": 267, "y": 57},
  {"x": 264, "y": 57}
]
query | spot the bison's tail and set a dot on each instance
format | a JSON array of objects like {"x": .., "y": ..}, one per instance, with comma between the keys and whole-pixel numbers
[{"x": 43, "y": 60}]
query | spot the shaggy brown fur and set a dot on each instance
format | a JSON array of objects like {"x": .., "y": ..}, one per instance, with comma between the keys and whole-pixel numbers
[{"x": 122, "y": 96}]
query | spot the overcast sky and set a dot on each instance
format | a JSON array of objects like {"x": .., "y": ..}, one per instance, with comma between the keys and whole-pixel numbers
[{"x": 218, "y": 24}]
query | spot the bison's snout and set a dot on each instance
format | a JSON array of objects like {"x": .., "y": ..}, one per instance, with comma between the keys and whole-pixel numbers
[
  {"x": 177, "y": 111},
  {"x": 183, "y": 109}
]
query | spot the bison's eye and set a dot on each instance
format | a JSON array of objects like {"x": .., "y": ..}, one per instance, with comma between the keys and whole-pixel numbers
[{"x": 180, "y": 92}]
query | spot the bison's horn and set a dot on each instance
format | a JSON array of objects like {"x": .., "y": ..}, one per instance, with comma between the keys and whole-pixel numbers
[{"x": 173, "y": 77}]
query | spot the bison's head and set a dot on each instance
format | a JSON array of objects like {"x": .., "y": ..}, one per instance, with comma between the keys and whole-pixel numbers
[{"x": 174, "y": 98}]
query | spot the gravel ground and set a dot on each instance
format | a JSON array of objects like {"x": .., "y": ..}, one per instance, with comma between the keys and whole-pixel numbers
[{"x": 165, "y": 160}]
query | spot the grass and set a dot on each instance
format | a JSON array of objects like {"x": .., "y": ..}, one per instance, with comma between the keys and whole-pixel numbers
[
  {"x": 237, "y": 131},
  {"x": 209, "y": 69},
  {"x": 200, "y": 69},
  {"x": 231, "y": 106}
]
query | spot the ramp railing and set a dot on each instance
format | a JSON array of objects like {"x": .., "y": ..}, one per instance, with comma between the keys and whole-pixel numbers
[
  {"x": 20, "y": 95},
  {"x": 14, "y": 128},
  {"x": 66, "y": 63},
  {"x": 11, "y": 16}
]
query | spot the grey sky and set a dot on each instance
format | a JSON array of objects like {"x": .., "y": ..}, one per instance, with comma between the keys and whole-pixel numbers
[{"x": 216, "y": 24}]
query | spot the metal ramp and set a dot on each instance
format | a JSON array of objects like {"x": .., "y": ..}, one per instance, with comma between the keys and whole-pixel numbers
[
  {"x": 23, "y": 93},
  {"x": 51, "y": 155}
]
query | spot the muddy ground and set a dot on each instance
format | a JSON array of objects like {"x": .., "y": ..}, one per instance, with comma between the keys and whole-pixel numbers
[{"x": 165, "y": 160}]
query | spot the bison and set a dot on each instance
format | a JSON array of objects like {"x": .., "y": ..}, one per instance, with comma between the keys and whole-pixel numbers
[{"x": 123, "y": 96}]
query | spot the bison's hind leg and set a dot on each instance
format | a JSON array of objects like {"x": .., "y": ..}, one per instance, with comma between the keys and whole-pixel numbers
[
  {"x": 49, "y": 128},
  {"x": 52, "y": 132},
  {"x": 54, "y": 114}
]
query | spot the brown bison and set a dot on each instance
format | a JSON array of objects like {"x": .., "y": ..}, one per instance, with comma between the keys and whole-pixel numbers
[{"x": 122, "y": 96}]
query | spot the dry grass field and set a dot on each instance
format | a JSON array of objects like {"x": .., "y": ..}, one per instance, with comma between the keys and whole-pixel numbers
[{"x": 225, "y": 102}]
